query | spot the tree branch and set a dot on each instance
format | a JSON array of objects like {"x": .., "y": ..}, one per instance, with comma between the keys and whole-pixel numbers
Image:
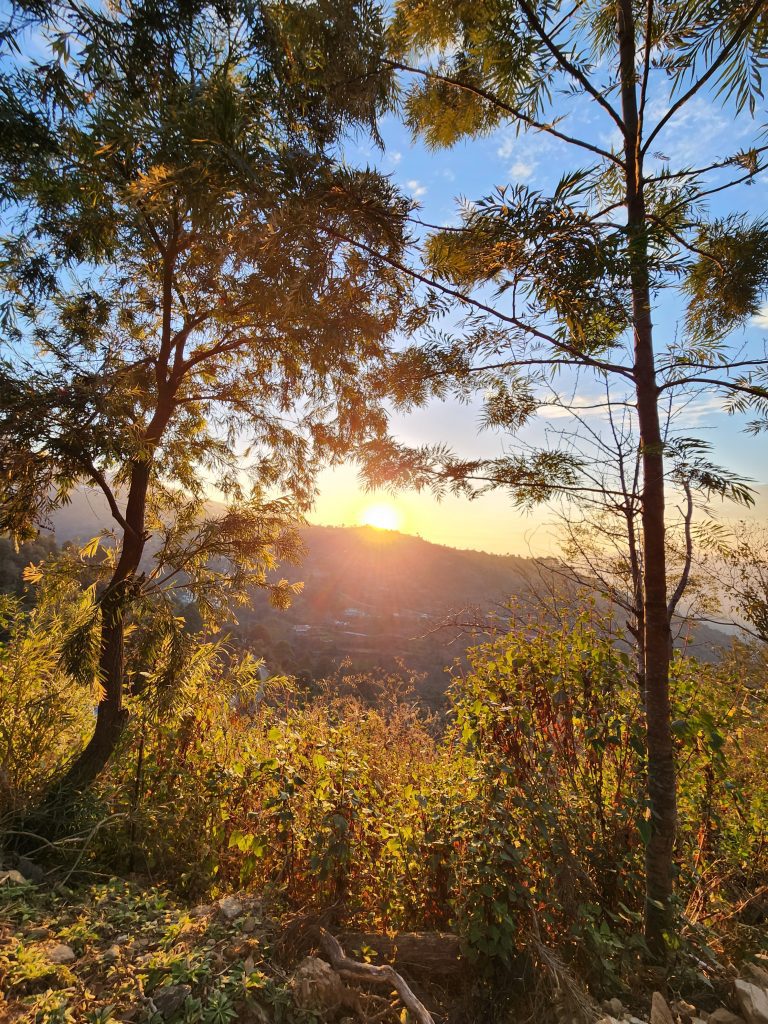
[
  {"x": 711, "y": 70},
  {"x": 489, "y": 97},
  {"x": 566, "y": 65}
]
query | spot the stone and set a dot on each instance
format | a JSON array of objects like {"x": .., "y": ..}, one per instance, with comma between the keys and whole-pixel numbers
[
  {"x": 170, "y": 999},
  {"x": 122, "y": 940},
  {"x": 756, "y": 974},
  {"x": 202, "y": 910},
  {"x": 248, "y": 925},
  {"x": 61, "y": 954},
  {"x": 660, "y": 1012},
  {"x": 30, "y": 870},
  {"x": 315, "y": 986},
  {"x": 230, "y": 907},
  {"x": 12, "y": 877},
  {"x": 112, "y": 954},
  {"x": 613, "y": 1007},
  {"x": 253, "y": 1013},
  {"x": 635, "y": 1020},
  {"x": 37, "y": 934},
  {"x": 683, "y": 1011},
  {"x": 752, "y": 1000}
]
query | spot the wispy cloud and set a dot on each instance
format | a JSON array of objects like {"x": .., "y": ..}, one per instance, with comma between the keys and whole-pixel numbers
[
  {"x": 761, "y": 319},
  {"x": 522, "y": 170},
  {"x": 416, "y": 188}
]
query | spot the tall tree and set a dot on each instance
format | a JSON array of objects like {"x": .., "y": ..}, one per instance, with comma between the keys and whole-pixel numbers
[
  {"x": 568, "y": 282},
  {"x": 177, "y": 311}
]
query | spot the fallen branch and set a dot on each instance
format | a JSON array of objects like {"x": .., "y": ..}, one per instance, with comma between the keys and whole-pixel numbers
[{"x": 384, "y": 975}]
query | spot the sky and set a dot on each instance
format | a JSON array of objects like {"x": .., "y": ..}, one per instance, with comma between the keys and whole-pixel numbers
[{"x": 437, "y": 181}]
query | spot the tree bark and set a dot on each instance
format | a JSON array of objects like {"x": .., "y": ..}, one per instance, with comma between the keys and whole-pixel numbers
[
  {"x": 111, "y": 716},
  {"x": 657, "y": 634}
]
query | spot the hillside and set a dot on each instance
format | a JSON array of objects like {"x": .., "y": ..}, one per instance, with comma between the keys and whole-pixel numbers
[{"x": 372, "y": 598}]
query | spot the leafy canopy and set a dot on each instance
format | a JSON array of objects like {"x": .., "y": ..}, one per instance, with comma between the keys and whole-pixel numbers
[{"x": 176, "y": 299}]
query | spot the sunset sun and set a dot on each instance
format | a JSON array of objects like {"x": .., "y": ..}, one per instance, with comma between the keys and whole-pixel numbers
[{"x": 383, "y": 517}]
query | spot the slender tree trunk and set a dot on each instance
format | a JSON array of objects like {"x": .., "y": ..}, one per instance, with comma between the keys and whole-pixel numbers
[
  {"x": 658, "y": 646},
  {"x": 111, "y": 716}
]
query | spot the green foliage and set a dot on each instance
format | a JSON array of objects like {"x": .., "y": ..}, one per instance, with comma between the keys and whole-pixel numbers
[
  {"x": 44, "y": 714},
  {"x": 231, "y": 976},
  {"x": 521, "y": 822},
  {"x": 728, "y": 280}
]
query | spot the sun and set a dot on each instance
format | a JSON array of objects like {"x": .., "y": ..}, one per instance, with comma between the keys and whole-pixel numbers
[{"x": 383, "y": 517}]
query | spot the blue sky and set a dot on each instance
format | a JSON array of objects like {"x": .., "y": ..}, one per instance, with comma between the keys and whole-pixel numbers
[{"x": 702, "y": 133}]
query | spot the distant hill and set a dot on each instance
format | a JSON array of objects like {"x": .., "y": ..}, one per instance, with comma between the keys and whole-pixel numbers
[{"x": 371, "y": 597}]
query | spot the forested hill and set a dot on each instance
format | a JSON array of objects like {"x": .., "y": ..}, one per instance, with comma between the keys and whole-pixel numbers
[
  {"x": 378, "y": 572},
  {"x": 395, "y": 574},
  {"x": 370, "y": 597}
]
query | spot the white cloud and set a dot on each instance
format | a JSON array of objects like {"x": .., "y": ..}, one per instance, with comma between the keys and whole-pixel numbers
[
  {"x": 761, "y": 319},
  {"x": 522, "y": 170},
  {"x": 416, "y": 189},
  {"x": 395, "y": 156},
  {"x": 508, "y": 144}
]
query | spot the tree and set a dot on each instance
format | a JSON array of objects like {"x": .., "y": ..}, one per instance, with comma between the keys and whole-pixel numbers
[
  {"x": 178, "y": 314},
  {"x": 568, "y": 282}
]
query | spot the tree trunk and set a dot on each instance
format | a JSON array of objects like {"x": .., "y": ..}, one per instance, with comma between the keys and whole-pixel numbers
[
  {"x": 658, "y": 645},
  {"x": 111, "y": 716}
]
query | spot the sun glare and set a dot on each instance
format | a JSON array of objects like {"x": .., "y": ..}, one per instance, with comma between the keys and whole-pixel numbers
[{"x": 383, "y": 517}]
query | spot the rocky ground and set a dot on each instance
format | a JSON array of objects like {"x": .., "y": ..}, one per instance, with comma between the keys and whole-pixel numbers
[{"x": 115, "y": 951}]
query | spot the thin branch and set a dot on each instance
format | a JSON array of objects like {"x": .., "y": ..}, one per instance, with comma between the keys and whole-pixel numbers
[
  {"x": 686, "y": 573},
  {"x": 728, "y": 385},
  {"x": 579, "y": 357},
  {"x": 730, "y": 161},
  {"x": 99, "y": 479},
  {"x": 715, "y": 66},
  {"x": 566, "y": 64},
  {"x": 489, "y": 97},
  {"x": 646, "y": 67}
]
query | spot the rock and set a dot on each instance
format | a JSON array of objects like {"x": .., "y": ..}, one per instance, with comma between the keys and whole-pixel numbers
[
  {"x": 230, "y": 907},
  {"x": 684, "y": 1012},
  {"x": 112, "y": 954},
  {"x": 170, "y": 999},
  {"x": 122, "y": 940},
  {"x": 248, "y": 925},
  {"x": 61, "y": 954},
  {"x": 30, "y": 870},
  {"x": 635, "y": 1020},
  {"x": 756, "y": 974},
  {"x": 254, "y": 1013},
  {"x": 37, "y": 934},
  {"x": 752, "y": 1000},
  {"x": 613, "y": 1007},
  {"x": 315, "y": 986},
  {"x": 203, "y": 910},
  {"x": 660, "y": 1012},
  {"x": 12, "y": 877}
]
